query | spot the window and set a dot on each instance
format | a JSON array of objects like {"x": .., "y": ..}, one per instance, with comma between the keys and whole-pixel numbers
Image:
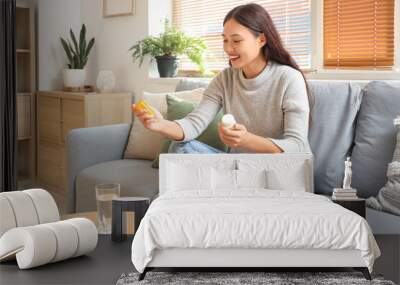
[
  {"x": 359, "y": 33},
  {"x": 204, "y": 18}
]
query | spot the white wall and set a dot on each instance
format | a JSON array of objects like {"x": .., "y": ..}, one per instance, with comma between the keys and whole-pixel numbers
[
  {"x": 158, "y": 11},
  {"x": 113, "y": 37},
  {"x": 54, "y": 19}
]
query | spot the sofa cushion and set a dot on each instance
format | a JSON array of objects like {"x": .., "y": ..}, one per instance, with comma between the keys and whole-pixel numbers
[
  {"x": 145, "y": 144},
  {"x": 331, "y": 133},
  {"x": 136, "y": 177},
  {"x": 375, "y": 136}
]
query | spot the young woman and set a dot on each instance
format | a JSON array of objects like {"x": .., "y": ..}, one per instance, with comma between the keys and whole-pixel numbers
[{"x": 263, "y": 89}]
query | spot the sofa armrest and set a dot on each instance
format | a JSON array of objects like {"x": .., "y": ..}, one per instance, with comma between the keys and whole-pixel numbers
[{"x": 89, "y": 146}]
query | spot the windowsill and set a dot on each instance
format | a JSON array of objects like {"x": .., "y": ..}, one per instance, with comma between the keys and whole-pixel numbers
[
  {"x": 174, "y": 80},
  {"x": 324, "y": 74},
  {"x": 337, "y": 74}
]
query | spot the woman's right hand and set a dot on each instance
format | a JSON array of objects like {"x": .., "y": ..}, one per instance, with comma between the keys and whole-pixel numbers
[{"x": 150, "y": 122}]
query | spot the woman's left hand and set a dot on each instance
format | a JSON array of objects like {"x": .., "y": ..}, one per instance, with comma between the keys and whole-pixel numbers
[{"x": 233, "y": 137}]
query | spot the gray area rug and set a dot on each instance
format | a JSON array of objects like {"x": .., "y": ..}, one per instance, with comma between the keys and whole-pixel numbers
[{"x": 231, "y": 278}]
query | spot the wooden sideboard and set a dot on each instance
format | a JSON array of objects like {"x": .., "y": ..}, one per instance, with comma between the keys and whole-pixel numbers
[{"x": 57, "y": 113}]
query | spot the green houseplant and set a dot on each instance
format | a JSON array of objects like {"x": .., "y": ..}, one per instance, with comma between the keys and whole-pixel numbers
[
  {"x": 77, "y": 55},
  {"x": 166, "y": 48}
]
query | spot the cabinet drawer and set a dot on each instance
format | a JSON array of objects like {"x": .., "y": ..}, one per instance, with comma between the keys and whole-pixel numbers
[
  {"x": 73, "y": 116},
  {"x": 24, "y": 116},
  {"x": 49, "y": 117}
]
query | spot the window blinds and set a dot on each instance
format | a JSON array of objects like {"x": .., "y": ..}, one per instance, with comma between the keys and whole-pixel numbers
[
  {"x": 204, "y": 18},
  {"x": 359, "y": 33}
]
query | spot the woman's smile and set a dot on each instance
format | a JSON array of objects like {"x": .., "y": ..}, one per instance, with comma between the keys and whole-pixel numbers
[{"x": 234, "y": 58}]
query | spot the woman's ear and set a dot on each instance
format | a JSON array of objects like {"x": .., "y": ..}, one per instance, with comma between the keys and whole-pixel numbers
[{"x": 262, "y": 39}]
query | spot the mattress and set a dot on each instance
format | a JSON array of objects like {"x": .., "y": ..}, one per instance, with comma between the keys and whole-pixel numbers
[{"x": 250, "y": 219}]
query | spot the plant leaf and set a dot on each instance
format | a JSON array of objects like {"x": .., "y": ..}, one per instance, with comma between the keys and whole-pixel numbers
[
  {"x": 82, "y": 39},
  {"x": 82, "y": 45},
  {"x": 66, "y": 49},
  {"x": 76, "y": 64},
  {"x": 74, "y": 42},
  {"x": 89, "y": 47}
]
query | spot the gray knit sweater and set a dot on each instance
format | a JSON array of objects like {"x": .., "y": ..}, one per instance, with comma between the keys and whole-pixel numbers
[{"x": 273, "y": 105}]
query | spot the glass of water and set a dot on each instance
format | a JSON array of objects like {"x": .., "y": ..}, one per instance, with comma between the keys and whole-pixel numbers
[{"x": 104, "y": 194}]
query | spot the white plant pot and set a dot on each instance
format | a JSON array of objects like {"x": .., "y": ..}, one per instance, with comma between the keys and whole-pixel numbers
[{"x": 74, "y": 78}]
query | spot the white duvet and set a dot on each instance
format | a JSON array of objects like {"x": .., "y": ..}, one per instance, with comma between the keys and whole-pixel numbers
[{"x": 252, "y": 218}]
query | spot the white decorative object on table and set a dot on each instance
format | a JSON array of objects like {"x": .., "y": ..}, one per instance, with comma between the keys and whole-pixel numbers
[
  {"x": 347, "y": 174},
  {"x": 105, "y": 81},
  {"x": 346, "y": 192},
  {"x": 31, "y": 231}
]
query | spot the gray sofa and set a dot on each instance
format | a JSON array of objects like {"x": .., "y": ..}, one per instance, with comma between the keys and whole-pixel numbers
[{"x": 349, "y": 118}]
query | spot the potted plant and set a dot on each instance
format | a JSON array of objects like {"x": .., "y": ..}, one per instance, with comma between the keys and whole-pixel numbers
[
  {"x": 166, "y": 48},
  {"x": 77, "y": 53}
]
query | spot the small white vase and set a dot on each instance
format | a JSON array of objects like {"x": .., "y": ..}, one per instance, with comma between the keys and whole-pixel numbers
[
  {"x": 105, "y": 81},
  {"x": 74, "y": 78}
]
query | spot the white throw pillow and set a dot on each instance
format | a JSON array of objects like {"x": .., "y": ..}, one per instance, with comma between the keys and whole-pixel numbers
[
  {"x": 227, "y": 179},
  {"x": 186, "y": 177},
  {"x": 251, "y": 178},
  {"x": 290, "y": 173},
  {"x": 223, "y": 179},
  {"x": 291, "y": 179},
  {"x": 146, "y": 144}
]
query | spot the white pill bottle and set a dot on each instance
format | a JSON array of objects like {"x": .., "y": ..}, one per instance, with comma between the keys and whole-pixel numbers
[{"x": 228, "y": 121}]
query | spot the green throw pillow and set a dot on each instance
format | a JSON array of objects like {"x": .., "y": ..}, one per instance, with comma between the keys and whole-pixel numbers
[{"x": 179, "y": 108}]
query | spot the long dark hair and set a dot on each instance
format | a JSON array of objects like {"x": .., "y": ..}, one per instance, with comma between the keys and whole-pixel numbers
[{"x": 258, "y": 21}]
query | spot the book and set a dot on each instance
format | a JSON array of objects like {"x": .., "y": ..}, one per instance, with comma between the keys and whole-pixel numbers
[
  {"x": 340, "y": 197},
  {"x": 341, "y": 190},
  {"x": 345, "y": 199},
  {"x": 345, "y": 194}
]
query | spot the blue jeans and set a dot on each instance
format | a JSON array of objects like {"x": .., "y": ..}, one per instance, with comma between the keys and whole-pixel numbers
[{"x": 192, "y": 146}]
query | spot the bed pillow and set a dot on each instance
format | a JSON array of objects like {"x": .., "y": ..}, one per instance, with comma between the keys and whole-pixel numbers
[
  {"x": 293, "y": 180},
  {"x": 233, "y": 179},
  {"x": 281, "y": 174},
  {"x": 223, "y": 179},
  {"x": 177, "y": 109},
  {"x": 145, "y": 144},
  {"x": 182, "y": 177},
  {"x": 251, "y": 179},
  {"x": 181, "y": 173}
]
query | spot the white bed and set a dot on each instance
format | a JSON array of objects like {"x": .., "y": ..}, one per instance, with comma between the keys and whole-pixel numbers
[{"x": 247, "y": 210}]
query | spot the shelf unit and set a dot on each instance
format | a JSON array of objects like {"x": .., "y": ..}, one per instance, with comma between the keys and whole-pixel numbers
[{"x": 26, "y": 88}]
